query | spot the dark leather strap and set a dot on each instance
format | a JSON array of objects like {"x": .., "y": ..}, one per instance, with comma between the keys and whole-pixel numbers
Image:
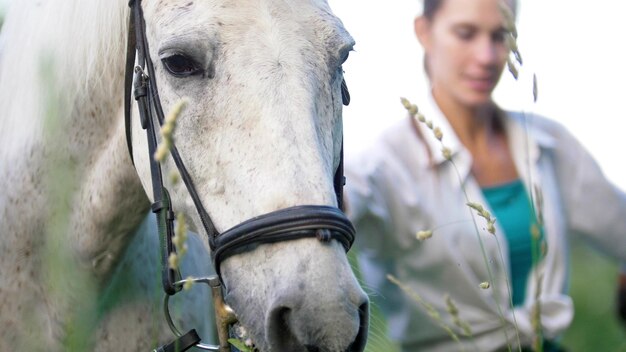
[
  {"x": 182, "y": 343},
  {"x": 162, "y": 209},
  {"x": 339, "y": 180},
  {"x": 283, "y": 225},
  {"x": 155, "y": 103},
  {"x": 207, "y": 223},
  {"x": 128, "y": 83},
  {"x": 345, "y": 94}
]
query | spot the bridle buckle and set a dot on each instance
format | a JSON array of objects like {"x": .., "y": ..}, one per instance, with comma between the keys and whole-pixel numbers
[{"x": 224, "y": 316}]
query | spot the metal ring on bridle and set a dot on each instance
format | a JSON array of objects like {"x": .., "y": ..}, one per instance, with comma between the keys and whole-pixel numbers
[{"x": 168, "y": 317}]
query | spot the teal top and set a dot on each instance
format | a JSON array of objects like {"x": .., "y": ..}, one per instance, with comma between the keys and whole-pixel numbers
[{"x": 511, "y": 207}]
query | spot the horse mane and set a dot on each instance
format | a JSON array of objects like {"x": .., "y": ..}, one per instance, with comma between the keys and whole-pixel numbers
[{"x": 56, "y": 52}]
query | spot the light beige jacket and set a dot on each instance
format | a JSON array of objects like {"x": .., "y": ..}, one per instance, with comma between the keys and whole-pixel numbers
[{"x": 394, "y": 190}]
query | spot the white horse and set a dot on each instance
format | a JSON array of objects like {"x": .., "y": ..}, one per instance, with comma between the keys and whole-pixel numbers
[{"x": 261, "y": 132}]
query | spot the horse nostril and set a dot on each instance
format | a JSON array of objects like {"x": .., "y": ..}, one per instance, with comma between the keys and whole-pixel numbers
[
  {"x": 358, "y": 345},
  {"x": 281, "y": 336},
  {"x": 280, "y": 318},
  {"x": 294, "y": 326}
]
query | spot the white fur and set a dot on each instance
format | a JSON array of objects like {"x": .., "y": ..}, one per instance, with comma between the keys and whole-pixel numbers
[{"x": 261, "y": 132}]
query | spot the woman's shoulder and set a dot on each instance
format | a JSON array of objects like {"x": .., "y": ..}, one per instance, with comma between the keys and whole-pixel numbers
[
  {"x": 546, "y": 130},
  {"x": 396, "y": 146}
]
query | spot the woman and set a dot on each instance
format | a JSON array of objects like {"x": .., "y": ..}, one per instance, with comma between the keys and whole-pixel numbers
[{"x": 529, "y": 173}]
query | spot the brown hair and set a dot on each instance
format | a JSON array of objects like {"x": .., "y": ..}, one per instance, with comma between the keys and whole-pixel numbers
[{"x": 431, "y": 7}]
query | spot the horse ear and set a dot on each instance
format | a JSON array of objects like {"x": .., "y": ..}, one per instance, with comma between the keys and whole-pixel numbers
[{"x": 345, "y": 95}]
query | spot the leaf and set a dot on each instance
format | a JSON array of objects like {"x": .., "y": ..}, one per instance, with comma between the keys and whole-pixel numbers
[{"x": 240, "y": 345}]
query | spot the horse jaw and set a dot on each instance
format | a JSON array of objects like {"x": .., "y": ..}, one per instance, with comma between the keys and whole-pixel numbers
[{"x": 262, "y": 132}]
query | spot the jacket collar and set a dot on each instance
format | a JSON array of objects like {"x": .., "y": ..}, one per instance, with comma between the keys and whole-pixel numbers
[{"x": 526, "y": 140}]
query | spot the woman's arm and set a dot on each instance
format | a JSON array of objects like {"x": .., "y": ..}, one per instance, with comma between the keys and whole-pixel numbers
[{"x": 595, "y": 208}]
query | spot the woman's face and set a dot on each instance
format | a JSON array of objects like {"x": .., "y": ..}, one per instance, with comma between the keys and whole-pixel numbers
[{"x": 465, "y": 47}]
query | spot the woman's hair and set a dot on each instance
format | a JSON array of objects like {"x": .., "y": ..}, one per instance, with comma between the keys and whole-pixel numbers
[{"x": 431, "y": 7}]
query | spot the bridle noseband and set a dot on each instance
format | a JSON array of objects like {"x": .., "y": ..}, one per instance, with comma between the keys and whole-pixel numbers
[{"x": 323, "y": 222}]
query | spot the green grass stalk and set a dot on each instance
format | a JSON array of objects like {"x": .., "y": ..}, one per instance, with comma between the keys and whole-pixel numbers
[
  {"x": 413, "y": 111},
  {"x": 430, "y": 310}
]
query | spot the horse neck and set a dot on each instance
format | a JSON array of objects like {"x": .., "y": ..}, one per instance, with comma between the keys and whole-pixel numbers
[{"x": 65, "y": 163}]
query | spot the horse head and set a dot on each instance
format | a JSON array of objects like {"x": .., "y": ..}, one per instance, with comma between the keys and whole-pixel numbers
[{"x": 261, "y": 132}]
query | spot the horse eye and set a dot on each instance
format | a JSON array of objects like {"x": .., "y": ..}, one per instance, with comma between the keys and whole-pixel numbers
[{"x": 181, "y": 66}]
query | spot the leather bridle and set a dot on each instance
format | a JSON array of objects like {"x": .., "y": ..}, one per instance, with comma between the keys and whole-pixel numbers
[{"x": 323, "y": 222}]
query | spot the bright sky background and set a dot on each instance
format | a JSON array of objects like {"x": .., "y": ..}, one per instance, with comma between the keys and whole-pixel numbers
[{"x": 577, "y": 48}]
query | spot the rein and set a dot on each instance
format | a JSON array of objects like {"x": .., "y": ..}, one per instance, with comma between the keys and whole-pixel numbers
[{"x": 323, "y": 222}]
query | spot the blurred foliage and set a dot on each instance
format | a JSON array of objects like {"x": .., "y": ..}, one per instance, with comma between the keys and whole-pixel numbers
[
  {"x": 593, "y": 288},
  {"x": 68, "y": 285}
]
